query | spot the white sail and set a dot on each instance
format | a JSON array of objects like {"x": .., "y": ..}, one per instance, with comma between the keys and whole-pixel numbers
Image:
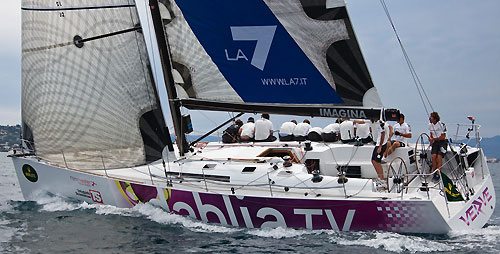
[{"x": 88, "y": 104}]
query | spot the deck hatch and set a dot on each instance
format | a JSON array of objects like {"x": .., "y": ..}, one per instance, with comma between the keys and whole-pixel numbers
[{"x": 248, "y": 169}]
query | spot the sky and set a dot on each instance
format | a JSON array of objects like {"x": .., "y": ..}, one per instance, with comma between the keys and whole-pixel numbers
[{"x": 454, "y": 46}]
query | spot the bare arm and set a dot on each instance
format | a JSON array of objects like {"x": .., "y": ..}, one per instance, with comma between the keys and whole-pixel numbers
[
  {"x": 442, "y": 137},
  {"x": 406, "y": 135},
  {"x": 382, "y": 136},
  {"x": 391, "y": 133}
]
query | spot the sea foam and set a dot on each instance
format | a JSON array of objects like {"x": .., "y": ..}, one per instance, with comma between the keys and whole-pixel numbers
[{"x": 389, "y": 241}]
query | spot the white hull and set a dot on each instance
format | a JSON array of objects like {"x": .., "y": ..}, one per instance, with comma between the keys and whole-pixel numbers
[{"x": 324, "y": 205}]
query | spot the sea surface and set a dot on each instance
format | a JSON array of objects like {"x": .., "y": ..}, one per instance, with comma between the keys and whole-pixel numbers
[{"x": 57, "y": 225}]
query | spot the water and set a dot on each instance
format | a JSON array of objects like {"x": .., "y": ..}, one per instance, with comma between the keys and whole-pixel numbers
[{"x": 56, "y": 225}]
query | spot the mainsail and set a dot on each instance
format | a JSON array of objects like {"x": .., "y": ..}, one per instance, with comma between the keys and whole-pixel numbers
[
  {"x": 269, "y": 54},
  {"x": 88, "y": 97}
]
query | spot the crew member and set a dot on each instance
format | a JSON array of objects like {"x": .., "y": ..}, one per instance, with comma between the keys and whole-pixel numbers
[
  {"x": 246, "y": 131},
  {"x": 378, "y": 127},
  {"x": 363, "y": 131},
  {"x": 402, "y": 132},
  {"x": 230, "y": 135},
  {"x": 315, "y": 134},
  {"x": 347, "y": 131},
  {"x": 438, "y": 142},
  {"x": 331, "y": 132},
  {"x": 286, "y": 130},
  {"x": 301, "y": 130},
  {"x": 264, "y": 129}
]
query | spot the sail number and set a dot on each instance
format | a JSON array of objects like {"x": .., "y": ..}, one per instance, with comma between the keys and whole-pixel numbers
[{"x": 59, "y": 4}]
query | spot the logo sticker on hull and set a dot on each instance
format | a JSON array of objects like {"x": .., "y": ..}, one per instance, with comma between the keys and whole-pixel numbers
[
  {"x": 96, "y": 196},
  {"x": 30, "y": 173}
]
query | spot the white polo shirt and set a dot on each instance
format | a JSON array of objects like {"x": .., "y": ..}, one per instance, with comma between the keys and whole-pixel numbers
[
  {"x": 437, "y": 129},
  {"x": 302, "y": 129},
  {"x": 332, "y": 128},
  {"x": 247, "y": 130},
  {"x": 363, "y": 130},
  {"x": 377, "y": 132},
  {"x": 401, "y": 128},
  {"x": 316, "y": 129},
  {"x": 287, "y": 128},
  {"x": 347, "y": 130},
  {"x": 263, "y": 128}
]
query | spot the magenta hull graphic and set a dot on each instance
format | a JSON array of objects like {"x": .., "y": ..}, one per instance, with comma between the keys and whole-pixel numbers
[
  {"x": 312, "y": 214},
  {"x": 259, "y": 212}
]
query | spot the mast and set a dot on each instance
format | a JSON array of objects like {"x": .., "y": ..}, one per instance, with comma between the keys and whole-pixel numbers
[{"x": 167, "y": 76}]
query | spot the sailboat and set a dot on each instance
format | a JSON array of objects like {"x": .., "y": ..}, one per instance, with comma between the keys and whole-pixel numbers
[{"x": 94, "y": 129}]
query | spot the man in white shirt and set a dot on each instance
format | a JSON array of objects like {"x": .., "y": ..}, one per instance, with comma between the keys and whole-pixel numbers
[
  {"x": 301, "y": 130},
  {"x": 315, "y": 134},
  {"x": 247, "y": 130},
  {"x": 264, "y": 129},
  {"x": 286, "y": 130},
  {"x": 347, "y": 131},
  {"x": 331, "y": 132},
  {"x": 438, "y": 142},
  {"x": 379, "y": 130},
  {"x": 402, "y": 132},
  {"x": 388, "y": 132},
  {"x": 363, "y": 130}
]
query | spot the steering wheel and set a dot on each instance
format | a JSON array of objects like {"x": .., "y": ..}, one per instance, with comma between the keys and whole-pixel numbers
[
  {"x": 399, "y": 172},
  {"x": 421, "y": 154}
]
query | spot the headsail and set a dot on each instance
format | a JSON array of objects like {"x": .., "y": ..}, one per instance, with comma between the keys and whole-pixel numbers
[
  {"x": 88, "y": 98},
  {"x": 292, "y": 52}
]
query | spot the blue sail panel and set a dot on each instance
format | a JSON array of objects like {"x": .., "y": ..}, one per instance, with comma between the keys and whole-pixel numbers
[{"x": 255, "y": 53}]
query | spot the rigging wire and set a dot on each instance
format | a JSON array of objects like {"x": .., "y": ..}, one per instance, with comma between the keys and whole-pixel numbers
[
  {"x": 208, "y": 118},
  {"x": 416, "y": 79}
]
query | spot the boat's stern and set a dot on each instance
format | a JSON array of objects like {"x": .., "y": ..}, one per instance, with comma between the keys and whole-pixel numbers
[{"x": 477, "y": 210}]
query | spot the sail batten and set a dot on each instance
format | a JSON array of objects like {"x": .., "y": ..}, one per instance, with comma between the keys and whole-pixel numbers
[{"x": 69, "y": 8}]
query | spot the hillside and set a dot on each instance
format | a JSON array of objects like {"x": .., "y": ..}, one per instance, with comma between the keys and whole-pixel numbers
[
  {"x": 9, "y": 137},
  {"x": 491, "y": 147}
]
